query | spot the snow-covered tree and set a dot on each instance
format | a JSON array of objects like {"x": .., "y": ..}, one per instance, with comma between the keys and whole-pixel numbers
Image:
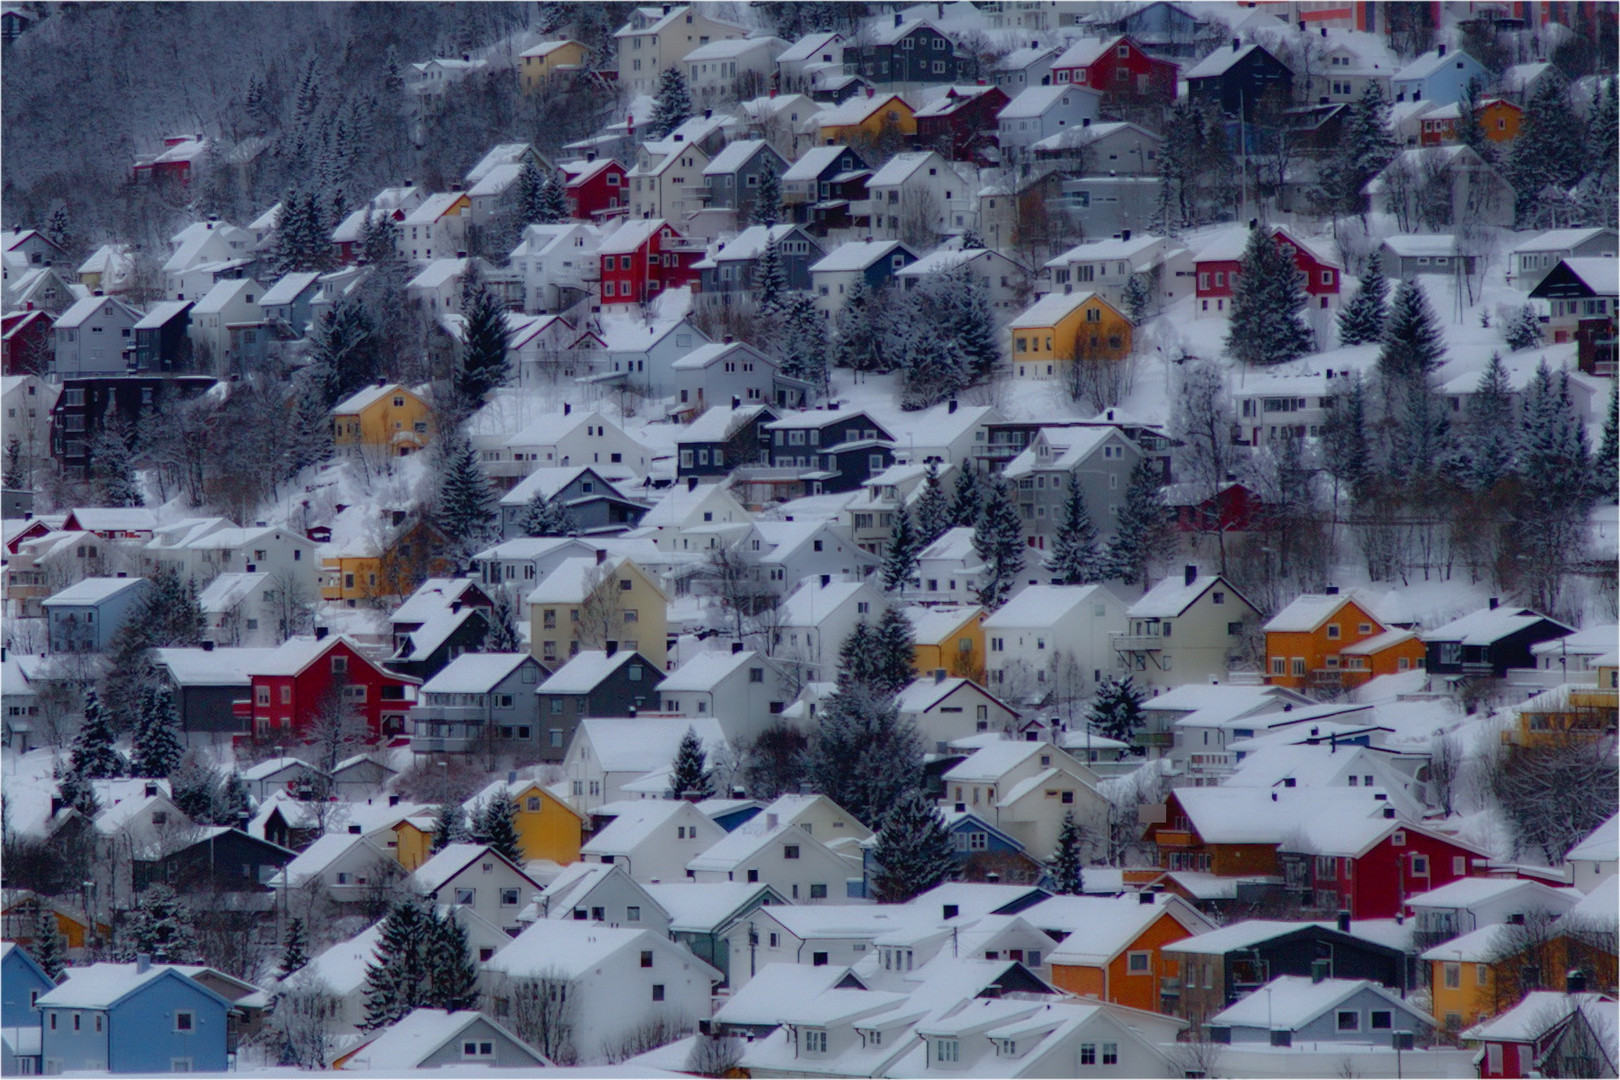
[
  {"x": 497, "y": 827},
  {"x": 932, "y": 366},
  {"x": 160, "y": 925},
  {"x": 957, "y": 303},
  {"x": 1488, "y": 441},
  {"x": 914, "y": 850},
  {"x": 553, "y": 200},
  {"x": 893, "y": 652},
  {"x": 75, "y": 791},
  {"x": 531, "y": 194},
  {"x": 857, "y": 658},
  {"x": 933, "y": 508},
  {"x": 449, "y": 827},
  {"x": 1136, "y": 296},
  {"x": 858, "y": 341},
  {"x": 1362, "y": 319},
  {"x": 502, "y": 618},
  {"x": 1142, "y": 527},
  {"x": 1609, "y": 449},
  {"x": 547, "y": 517},
  {"x": 1412, "y": 341},
  {"x": 1116, "y": 712},
  {"x": 801, "y": 344},
  {"x": 1346, "y": 449},
  {"x": 397, "y": 977},
  {"x": 294, "y": 948},
  {"x": 1075, "y": 558},
  {"x": 900, "y": 558},
  {"x": 94, "y": 757},
  {"x": 303, "y": 234},
  {"x": 452, "y": 973},
  {"x": 967, "y": 500},
  {"x": 770, "y": 280},
  {"x": 862, "y": 755},
  {"x": 998, "y": 540},
  {"x": 112, "y": 466},
  {"x": 484, "y": 345},
  {"x": 1470, "y": 132},
  {"x": 767, "y": 209},
  {"x": 689, "y": 772},
  {"x": 466, "y": 513},
  {"x": 310, "y": 443},
  {"x": 1267, "y": 324},
  {"x": 1065, "y": 869},
  {"x": 1523, "y": 330},
  {"x": 1421, "y": 445},
  {"x": 157, "y": 749},
  {"x": 50, "y": 946},
  {"x": 1548, "y": 153},
  {"x": 672, "y": 104}
]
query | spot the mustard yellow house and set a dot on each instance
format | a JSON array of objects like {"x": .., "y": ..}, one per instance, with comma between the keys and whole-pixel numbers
[
  {"x": 1064, "y": 328},
  {"x": 390, "y": 564},
  {"x": 547, "y": 827},
  {"x": 547, "y": 59},
  {"x": 866, "y": 118},
  {"x": 949, "y": 639},
  {"x": 601, "y": 603},
  {"x": 413, "y": 842},
  {"x": 390, "y": 417}
]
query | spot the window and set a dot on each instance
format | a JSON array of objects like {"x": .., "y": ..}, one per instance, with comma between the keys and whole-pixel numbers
[
  {"x": 815, "y": 1042},
  {"x": 632, "y": 913},
  {"x": 818, "y": 892},
  {"x": 1420, "y": 866},
  {"x": 646, "y": 958},
  {"x": 1088, "y": 1053},
  {"x": 340, "y": 665},
  {"x": 1380, "y": 1020},
  {"x": 183, "y": 1021},
  {"x": 473, "y": 1049},
  {"x": 947, "y": 1050},
  {"x": 1453, "y": 976},
  {"x": 1349, "y": 1020},
  {"x": 1110, "y": 1053},
  {"x": 465, "y": 896},
  {"x": 1138, "y": 963},
  {"x": 509, "y": 898},
  {"x": 658, "y": 992},
  {"x": 1333, "y": 631},
  {"x": 790, "y": 851}
]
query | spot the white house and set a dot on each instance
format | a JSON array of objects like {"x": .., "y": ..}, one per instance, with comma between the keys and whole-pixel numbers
[
  {"x": 780, "y": 854},
  {"x": 1053, "y": 639},
  {"x": 1039, "y": 112},
  {"x": 724, "y": 71},
  {"x": 1002, "y": 278},
  {"x": 1472, "y": 903},
  {"x": 868, "y": 261},
  {"x": 478, "y": 877},
  {"x": 606, "y": 753},
  {"x": 436, "y": 228},
  {"x": 789, "y": 552},
  {"x": 1187, "y": 629},
  {"x": 601, "y": 893},
  {"x": 652, "y": 839},
  {"x": 946, "y": 709},
  {"x": 574, "y": 439},
  {"x": 1597, "y": 858},
  {"x": 1025, "y": 789},
  {"x": 814, "y": 620},
  {"x": 658, "y": 37},
  {"x": 919, "y": 192},
  {"x": 555, "y": 263},
  {"x": 949, "y": 568},
  {"x": 814, "y": 54},
  {"x": 1534, "y": 256},
  {"x": 667, "y": 178},
  {"x": 1106, "y": 266},
  {"x": 745, "y": 690},
  {"x": 203, "y": 244},
  {"x": 694, "y": 517}
]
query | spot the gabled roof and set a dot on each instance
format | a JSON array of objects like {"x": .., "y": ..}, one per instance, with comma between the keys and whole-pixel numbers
[
  {"x": 858, "y": 109},
  {"x": 738, "y": 154},
  {"x": 1431, "y": 62},
  {"x": 748, "y": 840},
  {"x": 707, "y": 670},
  {"x": 408, "y": 1044},
  {"x": 1220, "y": 62},
  {"x": 1044, "y": 605},
  {"x": 101, "y": 987},
  {"x": 637, "y": 824},
  {"x": 224, "y": 293},
  {"x": 82, "y": 310},
  {"x": 1602, "y": 844},
  {"x": 1236, "y": 937},
  {"x": 1488, "y": 625},
  {"x": 474, "y": 673},
  {"x": 1542, "y": 1010},
  {"x": 1036, "y": 101},
  {"x": 361, "y": 400},
  {"x": 589, "y": 668},
  {"x": 1053, "y": 308},
  {"x": 859, "y": 255},
  {"x": 808, "y": 46},
  {"x": 548, "y": 945},
  {"x": 1110, "y": 924},
  {"x": 1173, "y": 596},
  {"x": 1560, "y": 239},
  {"x": 440, "y": 870},
  {"x": 1309, "y": 611},
  {"x": 1289, "y": 1002},
  {"x": 631, "y": 235},
  {"x": 435, "y": 207},
  {"x": 640, "y": 744}
]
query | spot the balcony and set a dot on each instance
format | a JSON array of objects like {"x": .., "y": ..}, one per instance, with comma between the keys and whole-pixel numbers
[
  {"x": 1136, "y": 642},
  {"x": 1175, "y": 838}
]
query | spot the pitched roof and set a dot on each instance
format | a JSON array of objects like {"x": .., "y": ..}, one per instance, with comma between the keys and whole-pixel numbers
[
  {"x": 637, "y": 824},
  {"x": 1174, "y": 595},
  {"x": 1218, "y": 62},
  {"x": 1602, "y": 844},
  {"x": 1540, "y": 1011},
  {"x": 93, "y": 590},
  {"x": 1043, "y": 605},
  {"x": 588, "y": 669},
  {"x": 1111, "y": 923},
  {"x": 474, "y": 673},
  {"x": 1488, "y": 625},
  {"x": 452, "y": 860},
  {"x": 707, "y": 670},
  {"x": 1289, "y": 1002},
  {"x": 858, "y": 255},
  {"x": 408, "y": 1043},
  {"x": 102, "y": 986},
  {"x": 640, "y": 744},
  {"x": 1308, "y": 611}
]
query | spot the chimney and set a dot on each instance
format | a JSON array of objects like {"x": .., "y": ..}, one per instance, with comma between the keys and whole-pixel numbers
[
  {"x": 143, "y": 963},
  {"x": 125, "y": 573},
  {"x": 568, "y": 407},
  {"x": 630, "y": 712},
  {"x": 1190, "y": 573},
  {"x": 1085, "y": 121},
  {"x": 1331, "y": 590},
  {"x": 1319, "y": 968},
  {"x": 393, "y": 800},
  {"x": 992, "y": 878},
  {"x": 1302, "y": 26},
  {"x": 727, "y": 340},
  {"x": 708, "y": 114},
  {"x": 961, "y": 808},
  {"x": 208, "y": 646},
  {"x": 1124, "y": 234},
  {"x": 355, "y": 830},
  {"x": 939, "y": 675},
  {"x": 736, "y": 402},
  {"x": 771, "y": 821},
  {"x": 601, "y": 556},
  {"x": 691, "y": 483},
  {"x": 1324, "y": 31},
  {"x": 736, "y": 648},
  {"x": 1273, "y": 796},
  {"x": 951, "y": 911},
  {"x": 150, "y": 790},
  {"x": 1110, "y": 416},
  {"x": 950, "y": 406},
  {"x": 1145, "y": 898},
  {"x": 1575, "y": 982},
  {"x": 871, "y": 91},
  {"x": 1236, "y": 43},
  {"x": 1344, "y": 921},
  {"x": 1389, "y": 812},
  {"x": 1494, "y": 602},
  {"x": 1289, "y": 781},
  {"x": 320, "y": 633},
  {"x": 1440, "y": 50},
  {"x": 899, "y": 19}
]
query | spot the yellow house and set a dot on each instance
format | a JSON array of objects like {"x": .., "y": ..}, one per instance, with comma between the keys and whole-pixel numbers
[
  {"x": 863, "y": 118},
  {"x": 593, "y": 603},
  {"x": 949, "y": 639},
  {"x": 413, "y": 842},
  {"x": 547, "y": 58},
  {"x": 389, "y": 416},
  {"x": 1569, "y": 712},
  {"x": 1061, "y": 328},
  {"x": 547, "y": 827},
  {"x": 391, "y": 565}
]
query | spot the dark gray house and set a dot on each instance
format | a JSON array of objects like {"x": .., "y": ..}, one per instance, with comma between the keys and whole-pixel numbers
[
  {"x": 834, "y": 450},
  {"x": 1487, "y": 642},
  {"x": 732, "y": 271},
  {"x": 221, "y": 858},
  {"x": 162, "y": 338},
  {"x": 596, "y": 505},
  {"x": 480, "y": 699},
  {"x": 732, "y": 178},
  {"x": 1238, "y": 77},
  {"x": 909, "y": 51},
  {"x": 449, "y": 633},
  {"x": 594, "y": 683},
  {"x": 723, "y": 438},
  {"x": 206, "y": 681},
  {"x": 289, "y": 302}
]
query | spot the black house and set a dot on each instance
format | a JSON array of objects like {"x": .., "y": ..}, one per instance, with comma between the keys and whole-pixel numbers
[
  {"x": 428, "y": 649},
  {"x": 162, "y": 343},
  {"x": 1489, "y": 641},
  {"x": 1238, "y": 78},
  {"x": 724, "y": 438},
  {"x": 205, "y": 687},
  {"x": 597, "y": 683},
  {"x": 82, "y": 409},
  {"x": 909, "y": 51},
  {"x": 835, "y": 450},
  {"x": 223, "y": 858}
]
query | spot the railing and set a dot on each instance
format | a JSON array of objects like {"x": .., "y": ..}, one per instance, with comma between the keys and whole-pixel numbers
[
  {"x": 1137, "y": 642},
  {"x": 1174, "y": 838}
]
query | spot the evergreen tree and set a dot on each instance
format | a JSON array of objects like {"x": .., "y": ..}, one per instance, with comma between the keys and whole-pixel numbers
[
  {"x": 553, "y": 201},
  {"x": 933, "y": 509},
  {"x": 672, "y": 105},
  {"x": 894, "y": 652},
  {"x": 857, "y": 658},
  {"x": 1143, "y": 522},
  {"x": 900, "y": 558},
  {"x": 303, "y": 235},
  {"x": 497, "y": 827},
  {"x": 112, "y": 467},
  {"x": 767, "y": 208},
  {"x": 343, "y": 350},
  {"x": 466, "y": 512},
  {"x": 802, "y": 342},
  {"x": 1523, "y": 330},
  {"x": 972, "y": 240},
  {"x": 1116, "y": 712},
  {"x": 50, "y": 946},
  {"x": 311, "y": 441},
  {"x": 232, "y": 806},
  {"x": 958, "y": 304},
  {"x": 1412, "y": 341},
  {"x": 1366, "y": 146},
  {"x": 1548, "y": 152},
  {"x": 58, "y": 230},
  {"x": 1609, "y": 449},
  {"x": 1362, "y": 319},
  {"x": 452, "y": 975},
  {"x": 1065, "y": 870},
  {"x": 1553, "y": 445},
  {"x": 1603, "y": 134},
  {"x": 547, "y": 517},
  {"x": 449, "y": 827},
  {"x": 932, "y": 366},
  {"x": 862, "y": 755},
  {"x": 294, "y": 948},
  {"x": 17, "y": 475},
  {"x": 502, "y": 619},
  {"x": 485, "y": 341},
  {"x": 689, "y": 773},
  {"x": 998, "y": 540},
  {"x": 379, "y": 238},
  {"x": 1421, "y": 444},
  {"x": 1075, "y": 559},
  {"x": 967, "y": 502},
  {"x": 93, "y": 756},
  {"x": 770, "y": 280},
  {"x": 1268, "y": 300},
  {"x": 857, "y": 342},
  {"x": 76, "y": 791},
  {"x": 1346, "y": 448},
  {"x": 1470, "y": 132},
  {"x": 531, "y": 194},
  {"x": 157, "y": 750},
  {"x": 161, "y": 926},
  {"x": 397, "y": 977},
  {"x": 914, "y": 850},
  {"x": 1488, "y": 448},
  {"x": 1136, "y": 296}
]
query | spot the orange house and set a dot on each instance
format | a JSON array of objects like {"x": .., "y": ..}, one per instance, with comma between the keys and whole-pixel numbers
[
  {"x": 1117, "y": 952},
  {"x": 1499, "y": 120},
  {"x": 1305, "y": 640},
  {"x": 20, "y": 919},
  {"x": 1183, "y": 847},
  {"x": 1389, "y": 653}
]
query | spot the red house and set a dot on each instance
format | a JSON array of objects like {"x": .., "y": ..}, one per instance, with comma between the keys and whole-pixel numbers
[
  {"x": 644, "y": 258},
  {"x": 174, "y": 161},
  {"x": 1233, "y": 508},
  {"x": 1119, "y": 68},
  {"x": 1219, "y": 264},
  {"x": 29, "y": 343},
  {"x": 294, "y": 683},
  {"x": 596, "y": 189},
  {"x": 1370, "y": 867},
  {"x": 962, "y": 124},
  {"x": 1546, "y": 1034}
]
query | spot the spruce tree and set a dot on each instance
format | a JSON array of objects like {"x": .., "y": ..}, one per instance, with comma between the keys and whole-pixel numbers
[
  {"x": 972, "y": 240},
  {"x": 311, "y": 427},
  {"x": 1268, "y": 300},
  {"x": 962, "y": 304},
  {"x": 1609, "y": 449},
  {"x": 452, "y": 974},
  {"x": 1523, "y": 330},
  {"x": 17, "y": 475},
  {"x": 967, "y": 501},
  {"x": 50, "y": 946},
  {"x": 1421, "y": 446},
  {"x": 502, "y": 635},
  {"x": 466, "y": 513},
  {"x": 1412, "y": 341},
  {"x": 294, "y": 948},
  {"x": 998, "y": 540},
  {"x": 547, "y": 517},
  {"x": 1065, "y": 870},
  {"x": 449, "y": 827},
  {"x": 160, "y": 925},
  {"x": 232, "y": 806},
  {"x": 397, "y": 977},
  {"x": 933, "y": 366},
  {"x": 112, "y": 467},
  {"x": 1548, "y": 152},
  {"x": 1553, "y": 447},
  {"x": 862, "y": 755},
  {"x": 1116, "y": 712},
  {"x": 933, "y": 508},
  {"x": 894, "y": 652},
  {"x": 343, "y": 350},
  {"x": 484, "y": 344},
  {"x": 1143, "y": 525},
  {"x": 76, "y": 792},
  {"x": 770, "y": 280},
  {"x": 767, "y": 208},
  {"x": 1346, "y": 448},
  {"x": 1488, "y": 442},
  {"x": 900, "y": 558},
  {"x": 1603, "y": 135},
  {"x": 1470, "y": 132},
  {"x": 689, "y": 773},
  {"x": 802, "y": 341},
  {"x": 531, "y": 193},
  {"x": 857, "y": 343},
  {"x": 1362, "y": 319},
  {"x": 93, "y": 756},
  {"x": 672, "y": 105},
  {"x": 1136, "y": 296},
  {"x": 1075, "y": 559},
  {"x": 58, "y": 229},
  {"x": 553, "y": 201},
  {"x": 857, "y": 658},
  {"x": 497, "y": 827},
  {"x": 914, "y": 851},
  {"x": 157, "y": 749}
]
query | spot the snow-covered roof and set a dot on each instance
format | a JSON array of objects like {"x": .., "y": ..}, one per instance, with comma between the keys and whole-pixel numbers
[
  {"x": 629, "y": 236},
  {"x": 1243, "y": 935},
  {"x": 1218, "y": 62},
  {"x": 858, "y": 255},
  {"x": 1601, "y": 275},
  {"x": 411, "y": 1040},
  {"x": 434, "y": 207},
  {"x": 585, "y": 671},
  {"x": 1592, "y": 641},
  {"x": 1486, "y": 626},
  {"x": 83, "y": 309},
  {"x": 746, "y": 841},
  {"x": 950, "y": 98},
  {"x": 736, "y": 155},
  {"x": 361, "y": 400},
  {"x": 640, "y": 744},
  {"x": 497, "y": 180},
  {"x": 1408, "y": 245},
  {"x": 503, "y": 153},
  {"x": 1469, "y": 892},
  {"x": 574, "y": 580},
  {"x": 93, "y": 590},
  {"x": 1051, "y": 309},
  {"x": 1602, "y": 844},
  {"x": 1377, "y": 643},
  {"x": 1309, "y": 611},
  {"x": 225, "y": 293},
  {"x": 808, "y": 46},
  {"x": 637, "y": 824},
  {"x": 1035, "y": 101},
  {"x": 811, "y": 602},
  {"x": 1559, "y": 239},
  {"x": 1107, "y": 925},
  {"x": 226, "y": 591},
  {"x": 989, "y": 763},
  {"x": 289, "y": 288},
  {"x": 750, "y": 243},
  {"x": 1174, "y": 595},
  {"x": 1431, "y": 62},
  {"x": 326, "y": 850},
  {"x": 434, "y": 874},
  {"x": 547, "y": 945},
  {"x": 341, "y": 968},
  {"x": 1108, "y": 250},
  {"x": 718, "y": 423},
  {"x": 707, "y": 670},
  {"x": 1085, "y": 52},
  {"x": 101, "y": 986},
  {"x": 474, "y": 673},
  {"x": 1042, "y": 606},
  {"x": 1540, "y": 1011},
  {"x": 1289, "y": 1002},
  {"x": 900, "y": 168},
  {"x": 731, "y": 48},
  {"x": 813, "y": 162},
  {"x": 857, "y": 110}
]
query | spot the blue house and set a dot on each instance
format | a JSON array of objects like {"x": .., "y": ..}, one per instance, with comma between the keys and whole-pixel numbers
[
  {"x": 291, "y": 300},
  {"x": 133, "y": 1018},
  {"x": 1438, "y": 76},
  {"x": 86, "y": 616},
  {"x": 22, "y": 983}
]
